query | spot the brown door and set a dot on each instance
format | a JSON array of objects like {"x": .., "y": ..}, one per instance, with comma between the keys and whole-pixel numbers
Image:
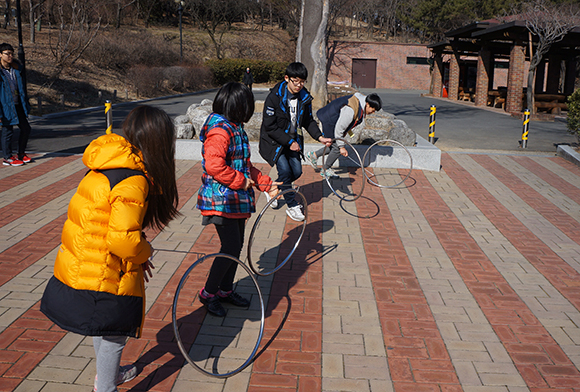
[{"x": 364, "y": 73}]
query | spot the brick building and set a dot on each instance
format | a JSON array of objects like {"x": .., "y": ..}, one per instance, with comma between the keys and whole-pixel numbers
[{"x": 379, "y": 65}]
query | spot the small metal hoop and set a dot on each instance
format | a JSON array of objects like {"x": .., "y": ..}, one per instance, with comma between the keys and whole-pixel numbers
[
  {"x": 251, "y": 238},
  {"x": 373, "y": 175},
  {"x": 360, "y": 162},
  {"x": 174, "y": 317}
]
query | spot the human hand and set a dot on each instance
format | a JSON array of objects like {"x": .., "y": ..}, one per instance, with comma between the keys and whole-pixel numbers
[
  {"x": 343, "y": 152},
  {"x": 274, "y": 190},
  {"x": 147, "y": 267},
  {"x": 248, "y": 183},
  {"x": 325, "y": 140},
  {"x": 295, "y": 146}
]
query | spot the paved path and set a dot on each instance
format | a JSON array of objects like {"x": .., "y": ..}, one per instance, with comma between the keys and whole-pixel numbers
[{"x": 465, "y": 279}]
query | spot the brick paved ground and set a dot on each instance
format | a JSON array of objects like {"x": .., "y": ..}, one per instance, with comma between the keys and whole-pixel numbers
[{"x": 463, "y": 280}]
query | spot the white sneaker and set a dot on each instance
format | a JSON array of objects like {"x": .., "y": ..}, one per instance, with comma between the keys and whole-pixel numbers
[
  {"x": 126, "y": 374},
  {"x": 295, "y": 213},
  {"x": 274, "y": 203},
  {"x": 329, "y": 173},
  {"x": 311, "y": 159}
]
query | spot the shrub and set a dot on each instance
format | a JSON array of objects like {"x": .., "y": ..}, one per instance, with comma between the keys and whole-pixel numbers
[
  {"x": 573, "y": 119},
  {"x": 156, "y": 81},
  {"x": 232, "y": 70},
  {"x": 123, "y": 51}
]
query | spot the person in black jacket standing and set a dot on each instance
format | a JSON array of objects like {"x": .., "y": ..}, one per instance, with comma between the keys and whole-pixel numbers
[
  {"x": 248, "y": 78},
  {"x": 288, "y": 109}
]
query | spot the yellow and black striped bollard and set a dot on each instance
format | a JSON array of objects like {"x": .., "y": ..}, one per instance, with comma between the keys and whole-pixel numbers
[
  {"x": 109, "y": 115},
  {"x": 525, "y": 131},
  {"x": 432, "y": 124}
]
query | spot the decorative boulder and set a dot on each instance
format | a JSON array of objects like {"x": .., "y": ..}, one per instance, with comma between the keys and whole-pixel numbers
[
  {"x": 198, "y": 114},
  {"x": 382, "y": 125},
  {"x": 252, "y": 127},
  {"x": 183, "y": 128}
]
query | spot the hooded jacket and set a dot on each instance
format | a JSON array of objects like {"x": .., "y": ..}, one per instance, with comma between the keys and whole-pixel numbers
[
  {"x": 98, "y": 286},
  {"x": 275, "y": 130}
]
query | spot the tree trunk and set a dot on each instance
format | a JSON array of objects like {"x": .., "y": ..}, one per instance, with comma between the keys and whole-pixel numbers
[
  {"x": 318, "y": 51},
  {"x": 311, "y": 48},
  {"x": 530, "y": 90},
  {"x": 7, "y": 13},
  {"x": 31, "y": 20}
]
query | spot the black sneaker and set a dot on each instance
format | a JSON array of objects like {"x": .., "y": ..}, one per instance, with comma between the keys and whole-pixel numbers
[
  {"x": 213, "y": 305},
  {"x": 235, "y": 299}
]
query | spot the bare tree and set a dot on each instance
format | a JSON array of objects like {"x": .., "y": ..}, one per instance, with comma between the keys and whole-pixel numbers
[
  {"x": 7, "y": 12},
  {"x": 548, "y": 24},
  {"x": 78, "y": 25},
  {"x": 35, "y": 14},
  {"x": 146, "y": 7},
  {"x": 121, "y": 5},
  {"x": 216, "y": 18}
]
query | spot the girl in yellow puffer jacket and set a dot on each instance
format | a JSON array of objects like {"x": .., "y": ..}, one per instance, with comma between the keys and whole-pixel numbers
[{"x": 98, "y": 286}]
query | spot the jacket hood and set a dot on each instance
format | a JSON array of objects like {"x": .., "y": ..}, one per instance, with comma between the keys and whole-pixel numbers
[{"x": 112, "y": 152}]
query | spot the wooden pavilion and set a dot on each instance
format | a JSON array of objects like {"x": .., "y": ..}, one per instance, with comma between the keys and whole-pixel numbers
[{"x": 464, "y": 67}]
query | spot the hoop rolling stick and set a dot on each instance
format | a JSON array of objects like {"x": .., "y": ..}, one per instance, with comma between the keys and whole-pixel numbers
[
  {"x": 360, "y": 163},
  {"x": 255, "y": 226},
  {"x": 176, "y": 329}
]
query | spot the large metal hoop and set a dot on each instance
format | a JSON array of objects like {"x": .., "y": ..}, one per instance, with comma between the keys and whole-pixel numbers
[
  {"x": 255, "y": 226},
  {"x": 360, "y": 162},
  {"x": 174, "y": 317},
  {"x": 372, "y": 175}
]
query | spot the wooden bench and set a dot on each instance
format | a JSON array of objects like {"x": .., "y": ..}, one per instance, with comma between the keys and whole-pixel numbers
[{"x": 552, "y": 107}]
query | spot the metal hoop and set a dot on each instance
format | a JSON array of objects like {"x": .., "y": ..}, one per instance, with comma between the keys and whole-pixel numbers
[
  {"x": 251, "y": 239},
  {"x": 360, "y": 162},
  {"x": 174, "y": 320},
  {"x": 373, "y": 175}
]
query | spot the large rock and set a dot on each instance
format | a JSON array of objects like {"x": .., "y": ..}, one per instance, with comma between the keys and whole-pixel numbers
[
  {"x": 382, "y": 125},
  {"x": 198, "y": 114},
  {"x": 183, "y": 127},
  {"x": 252, "y": 127}
]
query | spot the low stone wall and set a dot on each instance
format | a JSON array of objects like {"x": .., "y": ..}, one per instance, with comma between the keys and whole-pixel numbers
[{"x": 425, "y": 155}]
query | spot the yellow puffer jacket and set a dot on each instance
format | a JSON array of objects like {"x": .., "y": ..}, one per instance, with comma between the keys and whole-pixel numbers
[{"x": 98, "y": 287}]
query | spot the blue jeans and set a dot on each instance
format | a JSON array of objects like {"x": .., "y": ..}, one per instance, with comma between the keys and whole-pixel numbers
[{"x": 289, "y": 167}]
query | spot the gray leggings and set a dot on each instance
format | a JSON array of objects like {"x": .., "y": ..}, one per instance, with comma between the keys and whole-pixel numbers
[
  {"x": 333, "y": 153},
  {"x": 108, "y": 350}
]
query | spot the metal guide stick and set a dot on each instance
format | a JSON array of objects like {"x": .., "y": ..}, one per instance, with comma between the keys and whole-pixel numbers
[
  {"x": 432, "y": 124},
  {"x": 525, "y": 130},
  {"x": 109, "y": 115}
]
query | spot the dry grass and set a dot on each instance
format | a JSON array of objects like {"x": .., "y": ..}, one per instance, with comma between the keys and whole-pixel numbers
[{"x": 87, "y": 84}]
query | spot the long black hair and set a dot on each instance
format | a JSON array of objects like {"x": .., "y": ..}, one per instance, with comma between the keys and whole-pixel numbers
[{"x": 150, "y": 131}]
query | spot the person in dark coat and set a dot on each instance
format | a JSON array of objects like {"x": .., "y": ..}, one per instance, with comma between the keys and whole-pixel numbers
[
  {"x": 288, "y": 109},
  {"x": 248, "y": 78},
  {"x": 14, "y": 108}
]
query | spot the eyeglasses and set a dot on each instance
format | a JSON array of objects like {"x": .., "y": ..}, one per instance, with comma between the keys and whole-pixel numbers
[
  {"x": 9, "y": 54},
  {"x": 297, "y": 82}
]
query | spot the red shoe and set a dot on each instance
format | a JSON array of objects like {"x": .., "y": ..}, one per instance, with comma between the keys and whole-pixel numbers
[
  {"x": 26, "y": 159},
  {"x": 12, "y": 161}
]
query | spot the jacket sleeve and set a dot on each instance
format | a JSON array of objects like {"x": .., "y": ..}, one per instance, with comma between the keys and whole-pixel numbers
[
  {"x": 274, "y": 120},
  {"x": 344, "y": 119},
  {"x": 264, "y": 182},
  {"x": 215, "y": 148},
  {"x": 128, "y": 207},
  {"x": 310, "y": 124}
]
